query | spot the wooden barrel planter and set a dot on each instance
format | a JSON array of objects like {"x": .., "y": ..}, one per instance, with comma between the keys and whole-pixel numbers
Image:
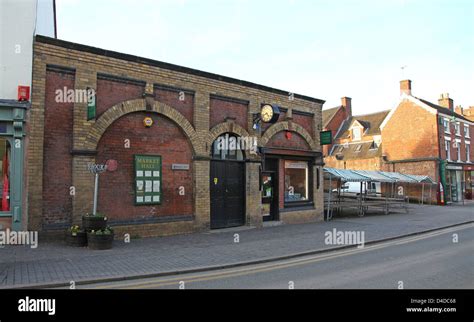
[
  {"x": 100, "y": 242},
  {"x": 78, "y": 239},
  {"x": 94, "y": 222}
]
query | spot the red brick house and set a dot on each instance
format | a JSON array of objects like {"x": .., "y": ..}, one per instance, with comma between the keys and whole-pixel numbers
[
  {"x": 415, "y": 137},
  {"x": 357, "y": 143},
  {"x": 334, "y": 118},
  {"x": 421, "y": 137}
]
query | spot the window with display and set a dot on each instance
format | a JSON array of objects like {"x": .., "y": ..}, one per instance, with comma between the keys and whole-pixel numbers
[{"x": 296, "y": 181}]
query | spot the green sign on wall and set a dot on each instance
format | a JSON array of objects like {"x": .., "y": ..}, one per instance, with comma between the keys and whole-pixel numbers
[
  {"x": 147, "y": 179},
  {"x": 325, "y": 137},
  {"x": 91, "y": 104}
]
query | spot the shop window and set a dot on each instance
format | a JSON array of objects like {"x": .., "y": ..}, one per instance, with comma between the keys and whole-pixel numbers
[
  {"x": 296, "y": 181},
  {"x": 228, "y": 147},
  {"x": 5, "y": 180}
]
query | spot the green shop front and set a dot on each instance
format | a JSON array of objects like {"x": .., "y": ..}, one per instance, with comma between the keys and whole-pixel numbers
[{"x": 12, "y": 141}]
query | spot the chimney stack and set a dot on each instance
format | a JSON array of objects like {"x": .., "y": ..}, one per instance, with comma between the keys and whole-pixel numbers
[
  {"x": 445, "y": 101},
  {"x": 458, "y": 109},
  {"x": 405, "y": 87},
  {"x": 346, "y": 102}
]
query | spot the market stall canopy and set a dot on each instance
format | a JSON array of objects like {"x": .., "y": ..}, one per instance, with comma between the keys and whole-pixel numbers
[
  {"x": 421, "y": 179},
  {"x": 399, "y": 177},
  {"x": 346, "y": 175},
  {"x": 375, "y": 176}
]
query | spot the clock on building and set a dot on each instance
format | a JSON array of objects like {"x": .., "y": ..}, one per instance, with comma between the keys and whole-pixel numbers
[{"x": 269, "y": 113}]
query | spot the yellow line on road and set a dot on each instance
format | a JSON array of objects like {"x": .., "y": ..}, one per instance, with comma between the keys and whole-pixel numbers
[{"x": 257, "y": 268}]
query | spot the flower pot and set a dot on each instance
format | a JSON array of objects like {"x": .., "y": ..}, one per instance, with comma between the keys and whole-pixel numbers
[
  {"x": 100, "y": 242},
  {"x": 78, "y": 239},
  {"x": 94, "y": 222}
]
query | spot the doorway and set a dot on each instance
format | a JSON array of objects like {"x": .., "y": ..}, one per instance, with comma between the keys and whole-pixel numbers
[
  {"x": 227, "y": 184},
  {"x": 269, "y": 196}
]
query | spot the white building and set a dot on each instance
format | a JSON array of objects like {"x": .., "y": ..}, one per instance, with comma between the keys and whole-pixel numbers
[{"x": 20, "y": 21}]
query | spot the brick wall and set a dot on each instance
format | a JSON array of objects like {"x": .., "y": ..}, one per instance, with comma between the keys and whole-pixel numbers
[
  {"x": 111, "y": 92},
  {"x": 354, "y": 164},
  {"x": 280, "y": 140},
  {"x": 163, "y": 138},
  {"x": 221, "y": 109},
  {"x": 334, "y": 126},
  {"x": 411, "y": 133},
  {"x": 58, "y": 120},
  {"x": 182, "y": 101}
]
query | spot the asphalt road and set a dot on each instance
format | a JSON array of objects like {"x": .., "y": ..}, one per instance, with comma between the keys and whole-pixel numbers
[{"x": 426, "y": 261}]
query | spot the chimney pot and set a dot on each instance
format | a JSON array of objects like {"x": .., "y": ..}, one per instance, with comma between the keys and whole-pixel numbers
[
  {"x": 405, "y": 87},
  {"x": 445, "y": 101}
]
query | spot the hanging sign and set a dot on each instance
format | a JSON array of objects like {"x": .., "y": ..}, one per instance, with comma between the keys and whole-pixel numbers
[
  {"x": 147, "y": 179},
  {"x": 325, "y": 137}
]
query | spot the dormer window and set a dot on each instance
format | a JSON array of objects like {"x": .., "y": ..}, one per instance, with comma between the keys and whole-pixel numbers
[{"x": 356, "y": 133}]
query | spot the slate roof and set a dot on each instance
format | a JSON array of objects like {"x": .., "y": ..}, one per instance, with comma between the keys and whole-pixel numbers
[
  {"x": 443, "y": 110},
  {"x": 371, "y": 122},
  {"x": 349, "y": 151},
  {"x": 329, "y": 114}
]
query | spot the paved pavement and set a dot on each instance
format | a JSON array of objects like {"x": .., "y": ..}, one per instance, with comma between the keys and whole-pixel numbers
[
  {"x": 53, "y": 263},
  {"x": 426, "y": 261}
]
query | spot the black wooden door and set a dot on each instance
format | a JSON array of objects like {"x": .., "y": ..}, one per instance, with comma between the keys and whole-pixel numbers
[{"x": 227, "y": 189}]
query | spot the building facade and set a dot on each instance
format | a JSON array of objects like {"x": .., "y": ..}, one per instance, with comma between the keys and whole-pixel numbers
[
  {"x": 415, "y": 137},
  {"x": 167, "y": 133},
  {"x": 436, "y": 141},
  {"x": 16, "y": 59}
]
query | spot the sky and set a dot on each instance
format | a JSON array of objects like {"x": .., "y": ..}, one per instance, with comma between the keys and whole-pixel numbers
[{"x": 321, "y": 48}]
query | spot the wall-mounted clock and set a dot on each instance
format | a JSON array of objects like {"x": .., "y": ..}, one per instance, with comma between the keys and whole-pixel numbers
[{"x": 269, "y": 113}]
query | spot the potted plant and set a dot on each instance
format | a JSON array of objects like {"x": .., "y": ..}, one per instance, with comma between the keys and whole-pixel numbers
[
  {"x": 100, "y": 239},
  {"x": 75, "y": 236},
  {"x": 94, "y": 222}
]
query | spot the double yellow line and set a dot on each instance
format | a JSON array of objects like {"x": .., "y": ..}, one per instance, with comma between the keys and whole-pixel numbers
[{"x": 265, "y": 267}]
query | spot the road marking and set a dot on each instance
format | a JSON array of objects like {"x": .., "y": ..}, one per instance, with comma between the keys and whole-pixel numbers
[{"x": 264, "y": 267}]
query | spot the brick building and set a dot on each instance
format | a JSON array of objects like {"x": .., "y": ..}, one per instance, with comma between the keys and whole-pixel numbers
[
  {"x": 424, "y": 138},
  {"x": 172, "y": 120},
  {"x": 416, "y": 137}
]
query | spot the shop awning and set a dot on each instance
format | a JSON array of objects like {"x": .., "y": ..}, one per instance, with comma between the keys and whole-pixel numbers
[{"x": 346, "y": 175}]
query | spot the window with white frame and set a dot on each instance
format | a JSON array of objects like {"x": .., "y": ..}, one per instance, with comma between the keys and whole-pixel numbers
[
  {"x": 356, "y": 133},
  {"x": 458, "y": 150},
  {"x": 447, "y": 146},
  {"x": 466, "y": 130},
  {"x": 446, "y": 125},
  {"x": 468, "y": 152},
  {"x": 457, "y": 127}
]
